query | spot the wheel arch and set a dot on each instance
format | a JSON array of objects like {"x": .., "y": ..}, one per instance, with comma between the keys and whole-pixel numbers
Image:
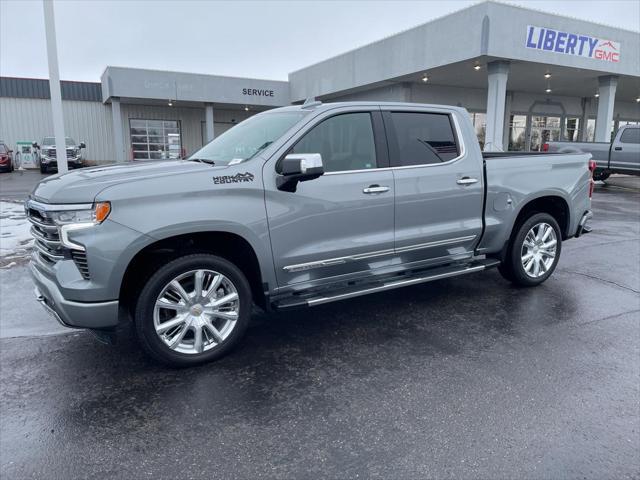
[
  {"x": 226, "y": 244},
  {"x": 553, "y": 204}
]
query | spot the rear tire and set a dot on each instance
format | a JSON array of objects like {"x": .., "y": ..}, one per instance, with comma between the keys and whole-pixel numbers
[
  {"x": 533, "y": 252},
  {"x": 43, "y": 168},
  {"x": 601, "y": 175},
  {"x": 185, "y": 293}
]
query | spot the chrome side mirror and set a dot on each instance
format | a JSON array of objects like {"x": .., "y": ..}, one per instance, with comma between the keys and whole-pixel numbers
[{"x": 298, "y": 167}]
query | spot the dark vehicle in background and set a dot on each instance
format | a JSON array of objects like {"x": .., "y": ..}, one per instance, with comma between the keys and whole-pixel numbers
[
  {"x": 622, "y": 155},
  {"x": 47, "y": 154},
  {"x": 6, "y": 158}
]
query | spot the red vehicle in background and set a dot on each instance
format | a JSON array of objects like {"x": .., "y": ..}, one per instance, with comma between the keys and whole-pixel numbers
[{"x": 6, "y": 158}]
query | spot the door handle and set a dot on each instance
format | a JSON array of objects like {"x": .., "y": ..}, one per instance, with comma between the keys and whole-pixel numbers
[
  {"x": 618, "y": 148},
  {"x": 466, "y": 181},
  {"x": 372, "y": 189}
]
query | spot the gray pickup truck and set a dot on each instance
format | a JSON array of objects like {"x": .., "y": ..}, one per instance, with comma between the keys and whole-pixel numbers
[
  {"x": 622, "y": 155},
  {"x": 296, "y": 207}
]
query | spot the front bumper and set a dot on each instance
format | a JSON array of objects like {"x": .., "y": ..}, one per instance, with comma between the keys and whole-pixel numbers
[
  {"x": 94, "y": 315},
  {"x": 70, "y": 163}
]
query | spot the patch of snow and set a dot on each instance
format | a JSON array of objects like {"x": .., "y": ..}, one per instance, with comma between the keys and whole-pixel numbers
[{"x": 15, "y": 239}]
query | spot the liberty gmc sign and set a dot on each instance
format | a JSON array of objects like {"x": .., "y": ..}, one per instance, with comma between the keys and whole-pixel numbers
[{"x": 550, "y": 40}]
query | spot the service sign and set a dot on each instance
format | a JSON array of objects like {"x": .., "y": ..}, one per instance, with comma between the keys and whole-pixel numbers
[{"x": 550, "y": 40}]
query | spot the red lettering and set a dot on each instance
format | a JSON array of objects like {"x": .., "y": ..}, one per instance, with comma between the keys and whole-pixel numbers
[{"x": 606, "y": 56}]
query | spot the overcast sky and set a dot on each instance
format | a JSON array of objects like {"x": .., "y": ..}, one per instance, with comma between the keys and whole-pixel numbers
[{"x": 266, "y": 39}]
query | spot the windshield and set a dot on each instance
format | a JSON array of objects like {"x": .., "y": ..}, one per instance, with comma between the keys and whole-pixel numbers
[
  {"x": 52, "y": 141},
  {"x": 248, "y": 138}
]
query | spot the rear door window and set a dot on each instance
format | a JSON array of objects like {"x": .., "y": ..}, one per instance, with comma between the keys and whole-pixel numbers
[
  {"x": 630, "y": 135},
  {"x": 422, "y": 138}
]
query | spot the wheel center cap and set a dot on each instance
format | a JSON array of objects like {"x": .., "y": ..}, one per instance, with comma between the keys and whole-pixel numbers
[{"x": 196, "y": 310}]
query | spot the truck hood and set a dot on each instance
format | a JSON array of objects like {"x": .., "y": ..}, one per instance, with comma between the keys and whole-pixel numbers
[{"x": 82, "y": 186}]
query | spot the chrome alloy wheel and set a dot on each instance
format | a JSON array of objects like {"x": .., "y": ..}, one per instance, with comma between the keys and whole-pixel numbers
[
  {"x": 196, "y": 311},
  {"x": 539, "y": 250}
]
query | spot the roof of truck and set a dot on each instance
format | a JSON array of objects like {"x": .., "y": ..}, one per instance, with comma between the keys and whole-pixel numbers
[{"x": 319, "y": 106}]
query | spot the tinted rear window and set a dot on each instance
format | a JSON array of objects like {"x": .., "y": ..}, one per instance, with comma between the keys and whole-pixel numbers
[
  {"x": 423, "y": 138},
  {"x": 630, "y": 135}
]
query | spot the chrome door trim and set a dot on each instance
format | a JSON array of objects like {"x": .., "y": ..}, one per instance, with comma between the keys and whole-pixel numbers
[
  {"x": 335, "y": 261},
  {"x": 437, "y": 243},
  {"x": 340, "y": 260}
]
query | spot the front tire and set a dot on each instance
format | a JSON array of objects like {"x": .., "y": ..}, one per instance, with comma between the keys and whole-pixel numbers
[
  {"x": 193, "y": 310},
  {"x": 533, "y": 252},
  {"x": 43, "y": 168}
]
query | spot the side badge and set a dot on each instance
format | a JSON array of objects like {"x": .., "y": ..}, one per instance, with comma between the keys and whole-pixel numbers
[{"x": 237, "y": 178}]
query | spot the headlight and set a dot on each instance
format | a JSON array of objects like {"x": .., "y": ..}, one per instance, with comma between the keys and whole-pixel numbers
[
  {"x": 97, "y": 214},
  {"x": 70, "y": 220}
]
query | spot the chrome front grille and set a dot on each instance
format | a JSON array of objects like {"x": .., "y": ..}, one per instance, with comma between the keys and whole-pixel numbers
[
  {"x": 46, "y": 235},
  {"x": 47, "y": 242}
]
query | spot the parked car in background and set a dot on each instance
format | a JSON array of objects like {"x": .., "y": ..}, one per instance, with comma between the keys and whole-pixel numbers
[
  {"x": 47, "y": 154},
  {"x": 296, "y": 207},
  {"x": 622, "y": 155},
  {"x": 6, "y": 158}
]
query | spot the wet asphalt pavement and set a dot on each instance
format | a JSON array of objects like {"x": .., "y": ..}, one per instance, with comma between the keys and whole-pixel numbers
[{"x": 466, "y": 378}]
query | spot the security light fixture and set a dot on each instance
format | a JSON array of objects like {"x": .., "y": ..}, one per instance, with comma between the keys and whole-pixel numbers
[
  {"x": 425, "y": 78},
  {"x": 246, "y": 108},
  {"x": 547, "y": 75},
  {"x": 638, "y": 100},
  {"x": 477, "y": 67},
  {"x": 597, "y": 95},
  {"x": 170, "y": 103},
  {"x": 548, "y": 90}
]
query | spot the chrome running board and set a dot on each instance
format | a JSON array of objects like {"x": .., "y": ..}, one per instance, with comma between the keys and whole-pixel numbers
[{"x": 398, "y": 281}]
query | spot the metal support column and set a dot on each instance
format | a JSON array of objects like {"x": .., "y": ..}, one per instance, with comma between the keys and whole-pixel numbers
[
  {"x": 498, "y": 73},
  {"x": 209, "y": 122},
  {"x": 54, "y": 86},
  {"x": 606, "y": 99},
  {"x": 118, "y": 137}
]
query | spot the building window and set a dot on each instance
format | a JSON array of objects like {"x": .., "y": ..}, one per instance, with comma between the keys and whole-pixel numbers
[
  {"x": 517, "y": 132},
  {"x": 155, "y": 139},
  {"x": 479, "y": 121},
  {"x": 591, "y": 130},
  {"x": 571, "y": 129},
  {"x": 543, "y": 129}
]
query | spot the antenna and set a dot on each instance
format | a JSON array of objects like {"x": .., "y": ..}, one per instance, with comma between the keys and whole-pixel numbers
[{"x": 311, "y": 102}]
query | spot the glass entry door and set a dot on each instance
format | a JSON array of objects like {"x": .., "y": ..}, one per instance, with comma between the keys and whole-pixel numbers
[{"x": 543, "y": 129}]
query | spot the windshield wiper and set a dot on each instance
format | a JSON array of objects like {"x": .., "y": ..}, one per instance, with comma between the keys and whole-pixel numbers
[{"x": 202, "y": 160}]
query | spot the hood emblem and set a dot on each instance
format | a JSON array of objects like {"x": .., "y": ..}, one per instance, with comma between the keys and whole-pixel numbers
[{"x": 237, "y": 178}]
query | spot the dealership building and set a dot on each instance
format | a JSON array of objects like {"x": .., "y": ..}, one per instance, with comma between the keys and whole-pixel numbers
[{"x": 525, "y": 76}]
